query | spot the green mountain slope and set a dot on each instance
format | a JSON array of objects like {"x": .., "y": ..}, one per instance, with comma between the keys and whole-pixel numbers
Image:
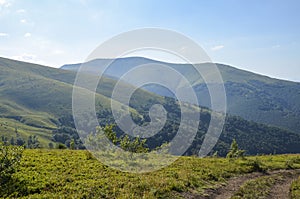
[
  {"x": 33, "y": 96},
  {"x": 249, "y": 95},
  {"x": 37, "y": 100}
]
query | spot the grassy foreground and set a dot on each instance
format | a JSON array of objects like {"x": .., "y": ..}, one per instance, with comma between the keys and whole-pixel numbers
[{"x": 73, "y": 174}]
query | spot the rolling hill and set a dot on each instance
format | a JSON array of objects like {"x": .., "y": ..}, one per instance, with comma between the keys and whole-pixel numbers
[
  {"x": 37, "y": 100},
  {"x": 251, "y": 96}
]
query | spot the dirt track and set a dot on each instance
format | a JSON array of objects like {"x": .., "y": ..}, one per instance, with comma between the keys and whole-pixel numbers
[{"x": 280, "y": 190}]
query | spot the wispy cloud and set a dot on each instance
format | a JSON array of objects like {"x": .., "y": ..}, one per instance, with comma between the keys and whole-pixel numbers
[
  {"x": 216, "y": 48},
  {"x": 21, "y": 11},
  {"x": 2, "y": 34},
  {"x": 5, "y": 3},
  {"x": 28, "y": 34},
  {"x": 27, "y": 22},
  {"x": 27, "y": 57},
  {"x": 276, "y": 46}
]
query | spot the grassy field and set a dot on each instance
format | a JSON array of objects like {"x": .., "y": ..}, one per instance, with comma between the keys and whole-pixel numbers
[{"x": 74, "y": 174}]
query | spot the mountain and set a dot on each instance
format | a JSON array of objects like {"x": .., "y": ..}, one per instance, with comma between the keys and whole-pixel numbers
[
  {"x": 251, "y": 96},
  {"x": 37, "y": 100}
]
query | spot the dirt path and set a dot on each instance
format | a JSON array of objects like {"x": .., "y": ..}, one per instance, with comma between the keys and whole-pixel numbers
[
  {"x": 232, "y": 185},
  {"x": 279, "y": 191}
]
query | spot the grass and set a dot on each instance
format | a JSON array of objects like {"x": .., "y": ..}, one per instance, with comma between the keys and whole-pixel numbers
[
  {"x": 295, "y": 189},
  {"x": 8, "y": 127},
  {"x": 10, "y": 109},
  {"x": 257, "y": 188},
  {"x": 74, "y": 174}
]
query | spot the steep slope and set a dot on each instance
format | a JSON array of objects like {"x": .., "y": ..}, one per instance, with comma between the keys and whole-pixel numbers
[{"x": 249, "y": 95}]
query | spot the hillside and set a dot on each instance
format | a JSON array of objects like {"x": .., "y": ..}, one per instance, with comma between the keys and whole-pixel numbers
[
  {"x": 249, "y": 95},
  {"x": 34, "y": 96},
  {"x": 37, "y": 100}
]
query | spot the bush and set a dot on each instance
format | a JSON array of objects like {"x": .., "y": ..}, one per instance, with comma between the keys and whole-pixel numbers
[
  {"x": 234, "y": 151},
  {"x": 10, "y": 157},
  {"x": 51, "y": 146},
  {"x": 89, "y": 155},
  {"x": 61, "y": 146},
  {"x": 256, "y": 165}
]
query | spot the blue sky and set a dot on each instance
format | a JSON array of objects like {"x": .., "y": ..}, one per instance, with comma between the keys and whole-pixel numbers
[{"x": 259, "y": 36}]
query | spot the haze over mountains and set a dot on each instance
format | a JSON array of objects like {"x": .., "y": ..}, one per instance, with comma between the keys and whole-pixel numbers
[
  {"x": 254, "y": 97},
  {"x": 37, "y": 100}
]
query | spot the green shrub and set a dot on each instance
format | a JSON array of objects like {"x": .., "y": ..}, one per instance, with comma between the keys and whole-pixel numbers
[
  {"x": 89, "y": 155},
  {"x": 10, "y": 157},
  {"x": 256, "y": 165},
  {"x": 234, "y": 151},
  {"x": 51, "y": 146},
  {"x": 61, "y": 146}
]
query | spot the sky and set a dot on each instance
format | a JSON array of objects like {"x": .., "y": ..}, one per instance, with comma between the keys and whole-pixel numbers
[{"x": 258, "y": 36}]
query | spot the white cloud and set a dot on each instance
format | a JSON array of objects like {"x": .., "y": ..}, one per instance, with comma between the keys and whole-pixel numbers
[
  {"x": 2, "y": 34},
  {"x": 216, "y": 48},
  {"x": 5, "y": 3},
  {"x": 27, "y": 22},
  {"x": 21, "y": 11},
  {"x": 28, "y": 34},
  {"x": 26, "y": 57}
]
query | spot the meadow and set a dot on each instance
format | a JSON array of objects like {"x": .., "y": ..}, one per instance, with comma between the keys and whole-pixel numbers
[{"x": 45, "y": 173}]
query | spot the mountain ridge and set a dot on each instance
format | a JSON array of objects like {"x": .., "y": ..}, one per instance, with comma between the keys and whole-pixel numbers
[
  {"x": 71, "y": 65},
  {"x": 36, "y": 100},
  {"x": 252, "y": 96}
]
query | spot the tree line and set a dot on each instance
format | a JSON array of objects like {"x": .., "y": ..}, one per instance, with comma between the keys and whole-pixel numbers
[{"x": 32, "y": 141}]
